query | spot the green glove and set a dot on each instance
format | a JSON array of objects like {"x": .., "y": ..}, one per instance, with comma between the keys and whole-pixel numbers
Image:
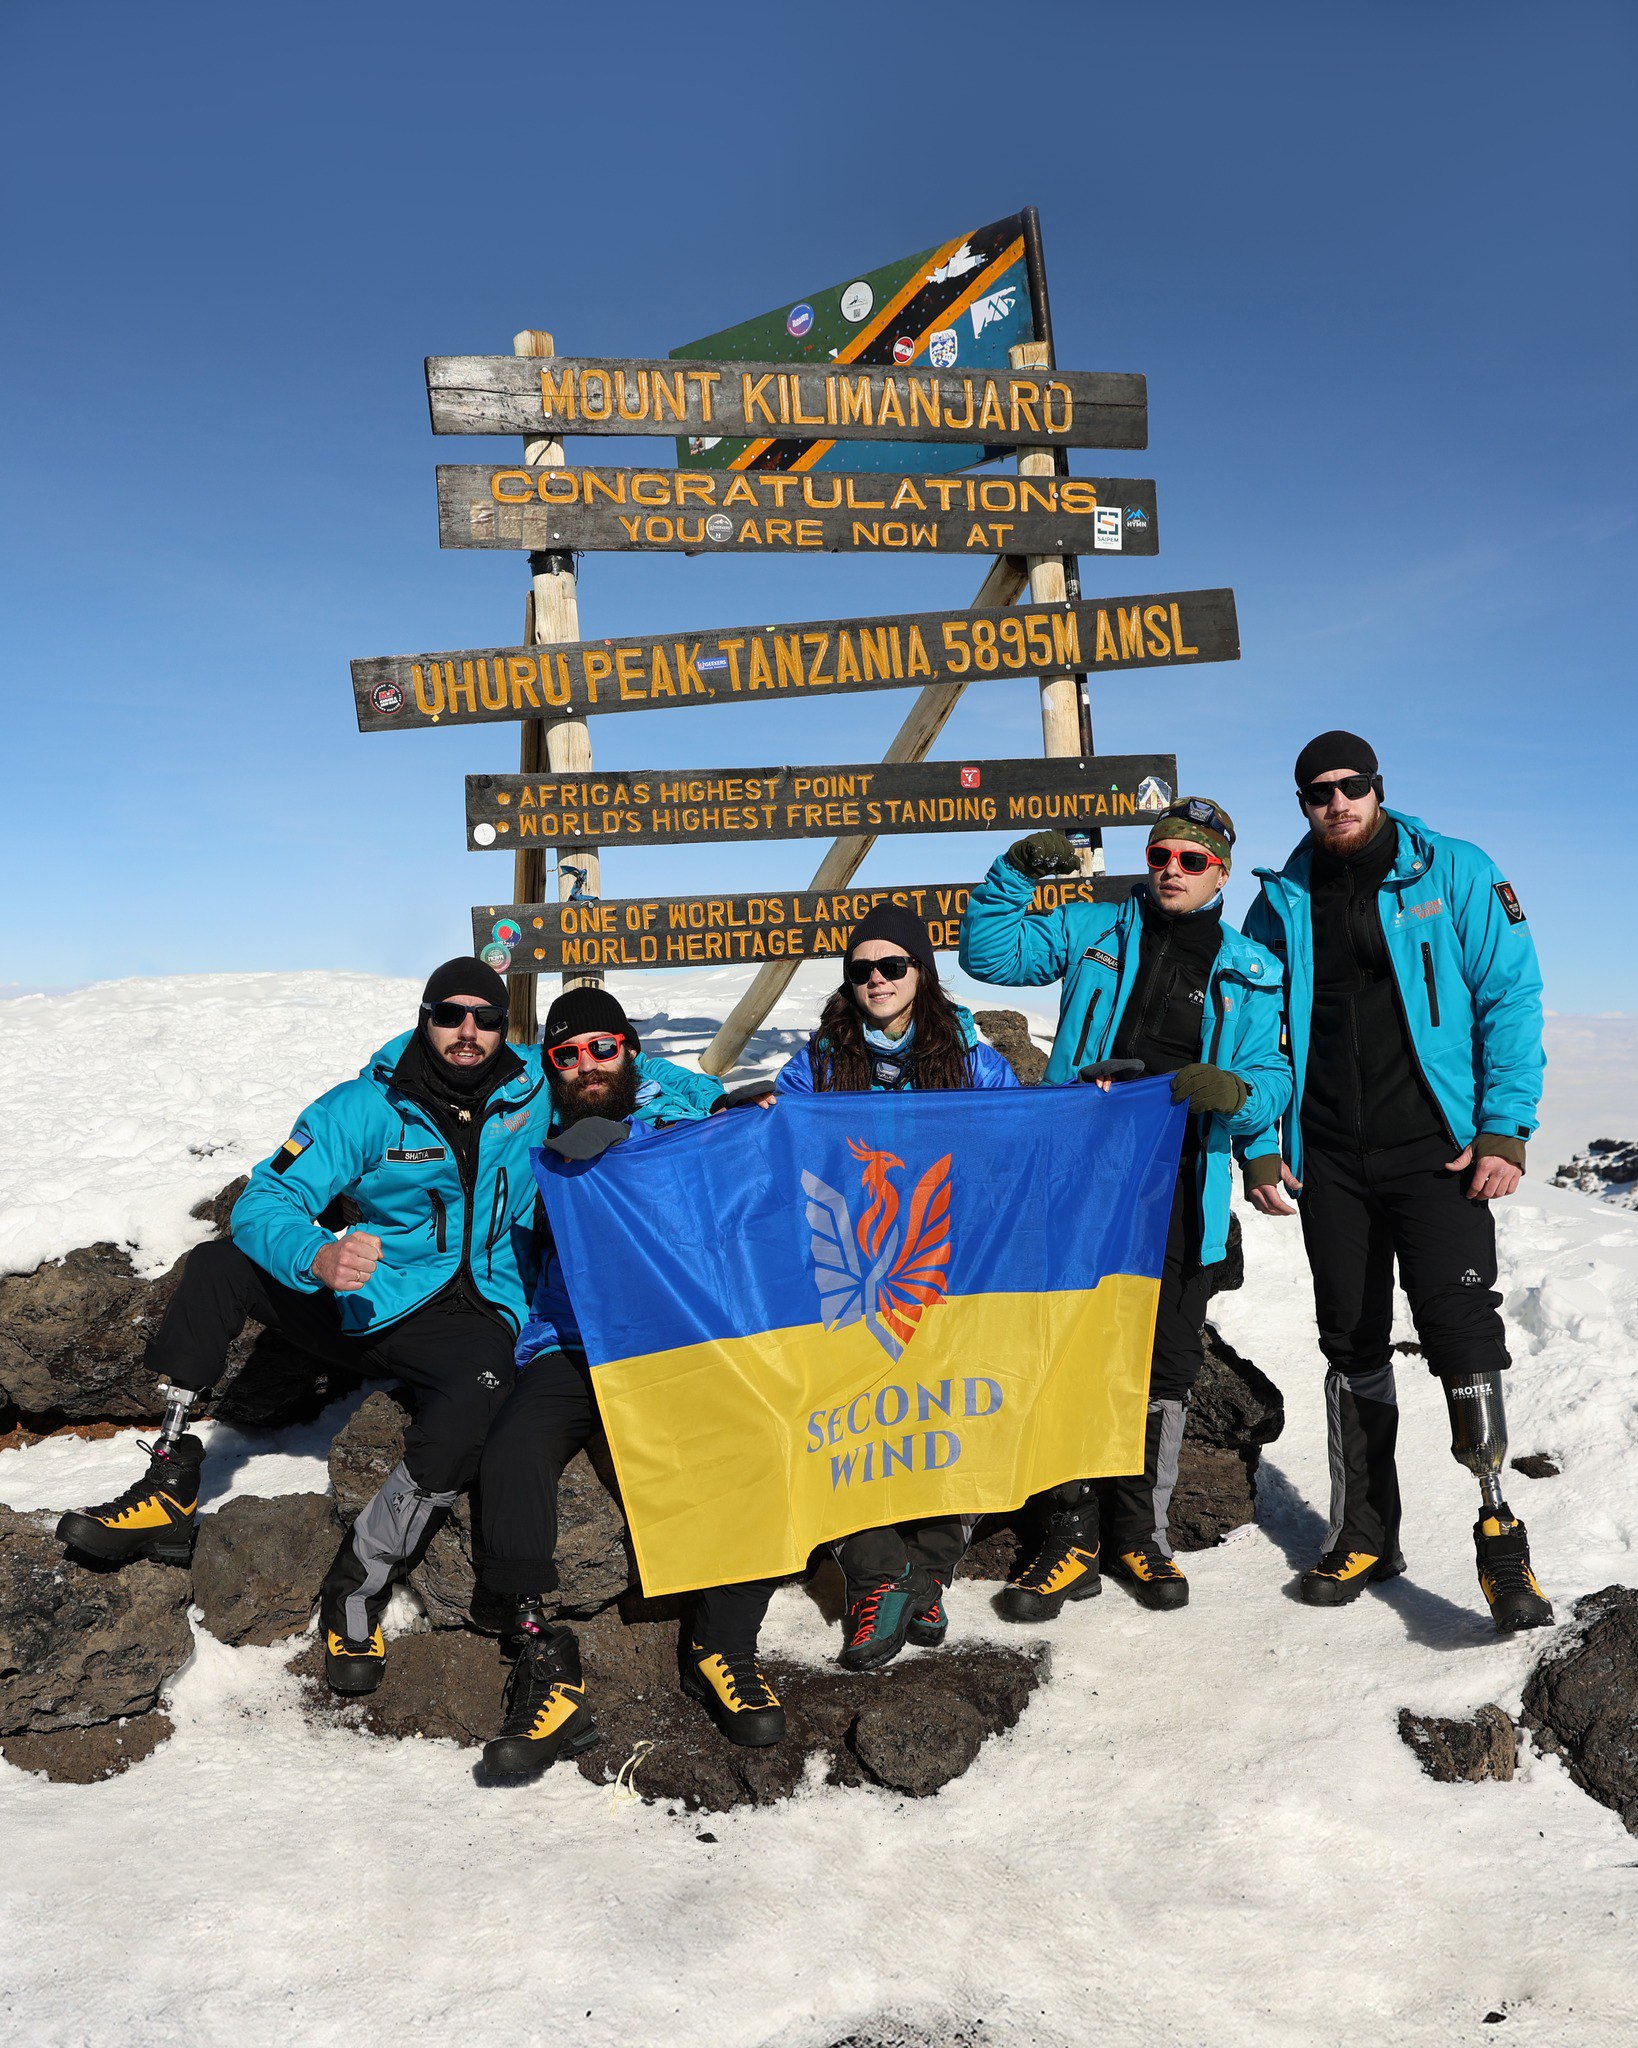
[
  {"x": 1205, "y": 1088},
  {"x": 1043, "y": 854}
]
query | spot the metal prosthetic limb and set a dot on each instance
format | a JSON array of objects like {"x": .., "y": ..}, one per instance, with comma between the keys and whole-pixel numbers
[
  {"x": 1478, "y": 1432},
  {"x": 178, "y": 1400}
]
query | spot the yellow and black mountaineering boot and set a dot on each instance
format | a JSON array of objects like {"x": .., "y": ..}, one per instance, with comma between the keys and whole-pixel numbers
[
  {"x": 1343, "y": 1574},
  {"x": 546, "y": 1713},
  {"x": 352, "y": 1664},
  {"x": 730, "y": 1686},
  {"x": 1508, "y": 1583},
  {"x": 1065, "y": 1567},
  {"x": 1156, "y": 1579},
  {"x": 154, "y": 1518}
]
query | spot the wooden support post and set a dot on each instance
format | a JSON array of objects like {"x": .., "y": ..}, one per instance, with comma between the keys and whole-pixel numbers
[
  {"x": 1061, "y": 722},
  {"x": 923, "y": 723},
  {"x": 552, "y": 613}
]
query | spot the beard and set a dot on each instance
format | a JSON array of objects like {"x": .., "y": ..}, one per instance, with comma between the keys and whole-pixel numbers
[{"x": 601, "y": 1091}]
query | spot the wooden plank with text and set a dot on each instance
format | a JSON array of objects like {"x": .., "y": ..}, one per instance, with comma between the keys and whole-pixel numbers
[
  {"x": 684, "y": 806},
  {"x": 822, "y": 658},
  {"x": 716, "y": 931},
  {"x": 597, "y": 395},
  {"x": 768, "y": 512}
]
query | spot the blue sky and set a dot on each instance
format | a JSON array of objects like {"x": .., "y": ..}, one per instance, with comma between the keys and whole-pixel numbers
[{"x": 1377, "y": 264}]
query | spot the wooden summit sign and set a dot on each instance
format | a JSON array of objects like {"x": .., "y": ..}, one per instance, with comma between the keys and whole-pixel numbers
[
  {"x": 714, "y": 931},
  {"x": 596, "y": 395},
  {"x": 761, "y": 512},
  {"x": 821, "y": 658},
  {"x": 679, "y": 806}
]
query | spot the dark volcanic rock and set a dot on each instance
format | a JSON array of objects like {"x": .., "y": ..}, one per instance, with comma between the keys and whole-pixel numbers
[
  {"x": 1008, "y": 1032},
  {"x": 78, "y": 1646},
  {"x": 80, "y": 1756},
  {"x": 1581, "y": 1701},
  {"x": 593, "y": 1562},
  {"x": 73, "y": 1334},
  {"x": 1537, "y": 1465},
  {"x": 1608, "y": 1167},
  {"x": 1462, "y": 1752},
  {"x": 258, "y": 1565},
  {"x": 1235, "y": 1407},
  {"x": 913, "y": 1727}
]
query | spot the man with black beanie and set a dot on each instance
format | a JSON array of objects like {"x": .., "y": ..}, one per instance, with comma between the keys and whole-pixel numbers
[
  {"x": 424, "y": 1160},
  {"x": 1414, "y": 1023}
]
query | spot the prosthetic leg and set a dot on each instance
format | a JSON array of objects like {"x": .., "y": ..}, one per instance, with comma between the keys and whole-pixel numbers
[
  {"x": 157, "y": 1515},
  {"x": 1478, "y": 1440},
  {"x": 546, "y": 1714}
]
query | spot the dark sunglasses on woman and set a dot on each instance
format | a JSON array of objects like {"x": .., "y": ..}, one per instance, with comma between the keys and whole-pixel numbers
[
  {"x": 451, "y": 1016},
  {"x": 894, "y": 968}
]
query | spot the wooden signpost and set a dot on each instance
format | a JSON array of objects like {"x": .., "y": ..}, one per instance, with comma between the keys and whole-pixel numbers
[
  {"x": 686, "y": 806},
  {"x": 818, "y": 658},
  {"x": 764, "y": 512},
  {"x": 786, "y": 925},
  {"x": 595, "y": 395},
  {"x": 861, "y": 440}
]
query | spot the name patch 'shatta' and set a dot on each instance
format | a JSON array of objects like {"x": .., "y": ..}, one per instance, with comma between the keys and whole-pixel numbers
[{"x": 857, "y": 1309}]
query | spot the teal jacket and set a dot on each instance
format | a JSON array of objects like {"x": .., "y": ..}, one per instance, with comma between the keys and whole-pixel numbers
[
  {"x": 1466, "y": 972},
  {"x": 985, "y": 1066},
  {"x": 1093, "y": 949},
  {"x": 371, "y": 1141}
]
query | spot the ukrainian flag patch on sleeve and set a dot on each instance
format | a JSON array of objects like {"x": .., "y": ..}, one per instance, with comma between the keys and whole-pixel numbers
[{"x": 292, "y": 1149}]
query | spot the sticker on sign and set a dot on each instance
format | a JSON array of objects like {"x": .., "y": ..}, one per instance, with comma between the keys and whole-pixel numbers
[
  {"x": 941, "y": 348},
  {"x": 1106, "y": 527},
  {"x": 857, "y": 301},
  {"x": 903, "y": 349}
]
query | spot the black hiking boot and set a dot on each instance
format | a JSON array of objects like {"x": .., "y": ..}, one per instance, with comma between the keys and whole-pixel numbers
[
  {"x": 155, "y": 1517},
  {"x": 1065, "y": 1567},
  {"x": 352, "y": 1666},
  {"x": 546, "y": 1713},
  {"x": 929, "y": 1625},
  {"x": 730, "y": 1686},
  {"x": 1505, "y": 1577},
  {"x": 1156, "y": 1579}
]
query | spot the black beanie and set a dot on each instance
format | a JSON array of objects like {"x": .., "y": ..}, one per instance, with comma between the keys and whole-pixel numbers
[
  {"x": 900, "y": 927},
  {"x": 586, "y": 1008},
  {"x": 1335, "y": 750},
  {"x": 466, "y": 977}
]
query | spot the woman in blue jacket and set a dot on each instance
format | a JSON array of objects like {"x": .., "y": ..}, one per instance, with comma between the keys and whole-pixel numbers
[
  {"x": 891, "y": 1026},
  {"x": 1158, "y": 984}
]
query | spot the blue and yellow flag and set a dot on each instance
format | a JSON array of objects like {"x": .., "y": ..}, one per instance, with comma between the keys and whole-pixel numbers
[{"x": 857, "y": 1309}]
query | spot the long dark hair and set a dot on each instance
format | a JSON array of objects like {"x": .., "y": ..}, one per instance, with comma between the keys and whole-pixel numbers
[{"x": 841, "y": 1060}]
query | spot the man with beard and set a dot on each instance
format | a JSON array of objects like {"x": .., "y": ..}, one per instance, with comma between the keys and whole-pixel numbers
[
  {"x": 592, "y": 1059},
  {"x": 1414, "y": 1022},
  {"x": 427, "y": 1152}
]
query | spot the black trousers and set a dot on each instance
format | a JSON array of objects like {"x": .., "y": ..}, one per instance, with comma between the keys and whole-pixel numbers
[
  {"x": 1363, "y": 1213},
  {"x": 454, "y": 1361},
  {"x": 549, "y": 1416},
  {"x": 936, "y": 1545}
]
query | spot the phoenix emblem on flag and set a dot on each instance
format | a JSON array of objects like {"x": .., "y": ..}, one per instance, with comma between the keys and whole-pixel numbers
[{"x": 880, "y": 1270}]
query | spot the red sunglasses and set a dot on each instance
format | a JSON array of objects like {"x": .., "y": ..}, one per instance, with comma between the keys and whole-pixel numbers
[
  {"x": 1193, "y": 860},
  {"x": 602, "y": 1046}
]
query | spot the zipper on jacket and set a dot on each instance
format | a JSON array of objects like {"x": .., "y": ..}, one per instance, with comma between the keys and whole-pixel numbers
[
  {"x": 440, "y": 1219},
  {"x": 1086, "y": 1030},
  {"x": 1427, "y": 976},
  {"x": 1410, "y": 1042},
  {"x": 497, "y": 1209}
]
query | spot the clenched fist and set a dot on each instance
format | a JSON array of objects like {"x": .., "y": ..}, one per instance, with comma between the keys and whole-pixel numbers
[
  {"x": 1043, "y": 854},
  {"x": 345, "y": 1266}
]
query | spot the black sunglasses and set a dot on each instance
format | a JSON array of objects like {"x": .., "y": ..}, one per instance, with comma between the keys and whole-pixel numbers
[
  {"x": 451, "y": 1016},
  {"x": 894, "y": 968},
  {"x": 1317, "y": 795}
]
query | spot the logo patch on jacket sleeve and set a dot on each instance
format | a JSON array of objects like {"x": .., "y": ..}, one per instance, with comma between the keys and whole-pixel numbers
[
  {"x": 292, "y": 1149},
  {"x": 1510, "y": 902}
]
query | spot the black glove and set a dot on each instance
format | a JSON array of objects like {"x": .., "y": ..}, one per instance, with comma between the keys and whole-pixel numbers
[
  {"x": 589, "y": 1138},
  {"x": 742, "y": 1097},
  {"x": 1113, "y": 1070},
  {"x": 1204, "y": 1088},
  {"x": 1043, "y": 854}
]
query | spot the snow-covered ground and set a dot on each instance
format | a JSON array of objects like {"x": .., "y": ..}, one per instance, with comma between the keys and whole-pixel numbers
[{"x": 1204, "y": 1830}]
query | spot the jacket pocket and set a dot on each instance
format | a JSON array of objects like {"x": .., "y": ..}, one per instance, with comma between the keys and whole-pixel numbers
[
  {"x": 1086, "y": 1031},
  {"x": 497, "y": 1216},
  {"x": 1427, "y": 976},
  {"x": 440, "y": 1220}
]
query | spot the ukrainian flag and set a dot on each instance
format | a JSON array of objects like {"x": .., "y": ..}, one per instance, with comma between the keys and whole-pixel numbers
[{"x": 856, "y": 1309}]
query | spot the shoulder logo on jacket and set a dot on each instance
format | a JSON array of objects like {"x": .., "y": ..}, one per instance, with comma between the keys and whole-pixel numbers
[
  {"x": 1509, "y": 902},
  {"x": 292, "y": 1149}
]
